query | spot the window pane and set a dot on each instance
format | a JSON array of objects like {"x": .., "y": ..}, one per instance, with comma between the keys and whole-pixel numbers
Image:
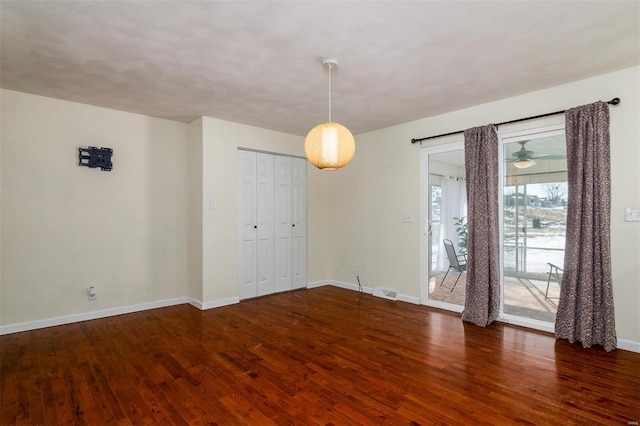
[
  {"x": 448, "y": 202},
  {"x": 534, "y": 223}
]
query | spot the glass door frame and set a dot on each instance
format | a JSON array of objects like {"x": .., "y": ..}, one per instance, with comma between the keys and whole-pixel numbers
[
  {"x": 425, "y": 211},
  {"x": 542, "y": 130},
  {"x": 503, "y": 139}
]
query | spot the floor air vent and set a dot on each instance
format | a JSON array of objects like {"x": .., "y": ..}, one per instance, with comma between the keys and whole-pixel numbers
[{"x": 384, "y": 293}]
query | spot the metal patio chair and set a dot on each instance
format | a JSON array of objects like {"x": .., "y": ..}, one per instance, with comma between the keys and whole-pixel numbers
[
  {"x": 556, "y": 273},
  {"x": 457, "y": 262}
]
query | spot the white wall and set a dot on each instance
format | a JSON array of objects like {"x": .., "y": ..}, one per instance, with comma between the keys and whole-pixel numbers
[
  {"x": 382, "y": 182},
  {"x": 66, "y": 227},
  {"x": 368, "y": 200},
  {"x": 195, "y": 205},
  {"x": 319, "y": 224}
]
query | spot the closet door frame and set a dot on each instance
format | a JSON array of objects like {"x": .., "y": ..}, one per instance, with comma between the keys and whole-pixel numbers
[{"x": 272, "y": 223}]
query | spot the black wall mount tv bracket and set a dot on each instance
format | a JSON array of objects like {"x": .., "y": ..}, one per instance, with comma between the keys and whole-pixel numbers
[{"x": 95, "y": 157}]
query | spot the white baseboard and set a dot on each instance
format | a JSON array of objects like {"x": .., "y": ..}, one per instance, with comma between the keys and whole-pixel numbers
[
  {"x": 220, "y": 303},
  {"x": 104, "y": 313},
  {"x": 316, "y": 284},
  {"x": 194, "y": 303},
  {"x": 349, "y": 286},
  {"x": 629, "y": 345},
  {"x": 68, "y": 319},
  {"x": 365, "y": 289}
]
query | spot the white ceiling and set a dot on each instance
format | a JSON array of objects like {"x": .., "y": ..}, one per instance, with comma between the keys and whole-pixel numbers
[{"x": 258, "y": 62}]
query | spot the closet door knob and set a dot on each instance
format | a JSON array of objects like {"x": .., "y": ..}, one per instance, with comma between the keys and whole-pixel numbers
[
  {"x": 255, "y": 226},
  {"x": 293, "y": 224}
]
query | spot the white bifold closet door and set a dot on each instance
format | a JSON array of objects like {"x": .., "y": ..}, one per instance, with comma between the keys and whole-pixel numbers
[
  {"x": 272, "y": 223},
  {"x": 256, "y": 273},
  {"x": 290, "y": 223},
  {"x": 298, "y": 223},
  {"x": 283, "y": 223}
]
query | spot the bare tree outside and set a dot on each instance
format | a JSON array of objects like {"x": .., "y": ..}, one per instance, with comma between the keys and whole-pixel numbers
[{"x": 556, "y": 192}]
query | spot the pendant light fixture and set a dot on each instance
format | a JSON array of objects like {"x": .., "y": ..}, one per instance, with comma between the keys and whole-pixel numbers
[
  {"x": 524, "y": 164},
  {"x": 330, "y": 145}
]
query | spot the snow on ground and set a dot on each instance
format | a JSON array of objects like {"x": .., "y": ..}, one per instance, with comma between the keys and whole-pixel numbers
[{"x": 540, "y": 250}]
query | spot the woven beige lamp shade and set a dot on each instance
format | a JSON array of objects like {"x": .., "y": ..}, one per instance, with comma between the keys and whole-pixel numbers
[{"x": 329, "y": 146}]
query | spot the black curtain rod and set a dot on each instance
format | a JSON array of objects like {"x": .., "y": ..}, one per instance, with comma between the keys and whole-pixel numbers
[{"x": 614, "y": 101}]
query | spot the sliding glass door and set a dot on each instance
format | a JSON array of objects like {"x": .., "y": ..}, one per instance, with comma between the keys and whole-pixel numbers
[
  {"x": 445, "y": 207},
  {"x": 534, "y": 210},
  {"x": 533, "y": 206}
]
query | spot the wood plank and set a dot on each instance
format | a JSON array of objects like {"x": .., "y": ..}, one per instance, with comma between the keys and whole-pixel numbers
[{"x": 309, "y": 357}]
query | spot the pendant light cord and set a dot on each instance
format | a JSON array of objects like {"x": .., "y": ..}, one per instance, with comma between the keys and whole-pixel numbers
[{"x": 330, "y": 67}]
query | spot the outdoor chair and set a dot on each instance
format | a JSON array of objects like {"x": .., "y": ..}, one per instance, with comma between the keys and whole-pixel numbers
[
  {"x": 555, "y": 272},
  {"x": 457, "y": 262}
]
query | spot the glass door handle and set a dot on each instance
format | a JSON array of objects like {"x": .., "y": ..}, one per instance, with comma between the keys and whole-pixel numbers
[{"x": 427, "y": 227}]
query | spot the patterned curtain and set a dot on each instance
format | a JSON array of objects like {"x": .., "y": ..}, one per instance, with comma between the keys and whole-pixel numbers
[
  {"x": 585, "y": 309},
  {"x": 482, "y": 301}
]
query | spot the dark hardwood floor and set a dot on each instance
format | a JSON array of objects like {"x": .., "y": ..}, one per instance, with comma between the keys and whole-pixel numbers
[{"x": 309, "y": 357}]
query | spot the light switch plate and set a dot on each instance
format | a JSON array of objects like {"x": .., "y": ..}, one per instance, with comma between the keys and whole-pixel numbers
[
  {"x": 631, "y": 214},
  {"x": 213, "y": 204},
  {"x": 407, "y": 218}
]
